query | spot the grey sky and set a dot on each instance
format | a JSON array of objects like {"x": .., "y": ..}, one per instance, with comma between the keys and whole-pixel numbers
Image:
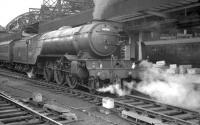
[{"x": 9, "y": 9}]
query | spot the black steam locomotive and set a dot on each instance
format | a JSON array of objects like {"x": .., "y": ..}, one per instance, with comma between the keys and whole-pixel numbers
[{"x": 81, "y": 56}]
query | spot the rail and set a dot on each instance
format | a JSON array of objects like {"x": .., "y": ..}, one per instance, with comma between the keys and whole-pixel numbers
[{"x": 146, "y": 107}]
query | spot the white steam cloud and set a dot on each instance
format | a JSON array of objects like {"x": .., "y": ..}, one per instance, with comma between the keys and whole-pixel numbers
[
  {"x": 175, "y": 89},
  {"x": 30, "y": 74},
  {"x": 117, "y": 88},
  {"x": 101, "y": 7}
]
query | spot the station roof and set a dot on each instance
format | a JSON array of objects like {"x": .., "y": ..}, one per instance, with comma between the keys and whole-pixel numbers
[
  {"x": 125, "y": 11},
  {"x": 139, "y": 8}
]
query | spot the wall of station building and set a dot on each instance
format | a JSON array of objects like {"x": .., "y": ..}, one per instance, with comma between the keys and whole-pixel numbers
[
  {"x": 181, "y": 24},
  {"x": 133, "y": 50}
]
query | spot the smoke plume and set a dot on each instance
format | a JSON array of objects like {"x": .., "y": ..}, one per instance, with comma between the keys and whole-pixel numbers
[
  {"x": 175, "y": 89},
  {"x": 101, "y": 7}
]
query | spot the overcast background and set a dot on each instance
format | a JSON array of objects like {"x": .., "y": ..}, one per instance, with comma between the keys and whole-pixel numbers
[{"x": 9, "y": 9}]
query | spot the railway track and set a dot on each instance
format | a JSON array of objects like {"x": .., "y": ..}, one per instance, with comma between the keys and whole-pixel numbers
[
  {"x": 13, "y": 112},
  {"x": 166, "y": 114},
  {"x": 156, "y": 110}
]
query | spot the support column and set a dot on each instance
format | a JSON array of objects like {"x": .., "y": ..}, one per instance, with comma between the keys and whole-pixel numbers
[
  {"x": 133, "y": 45},
  {"x": 140, "y": 45},
  {"x": 127, "y": 52},
  {"x": 128, "y": 48}
]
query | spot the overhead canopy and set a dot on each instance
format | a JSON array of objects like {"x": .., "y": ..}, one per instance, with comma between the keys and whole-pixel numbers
[
  {"x": 132, "y": 9},
  {"x": 123, "y": 11}
]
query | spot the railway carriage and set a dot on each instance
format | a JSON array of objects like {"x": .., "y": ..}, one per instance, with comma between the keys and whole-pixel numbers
[
  {"x": 5, "y": 51},
  {"x": 183, "y": 51}
]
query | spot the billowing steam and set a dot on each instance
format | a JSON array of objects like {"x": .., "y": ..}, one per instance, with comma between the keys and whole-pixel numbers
[
  {"x": 117, "y": 88},
  {"x": 175, "y": 89},
  {"x": 101, "y": 7},
  {"x": 30, "y": 73}
]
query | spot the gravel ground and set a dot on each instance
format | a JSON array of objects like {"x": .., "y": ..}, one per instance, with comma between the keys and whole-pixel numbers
[{"x": 23, "y": 89}]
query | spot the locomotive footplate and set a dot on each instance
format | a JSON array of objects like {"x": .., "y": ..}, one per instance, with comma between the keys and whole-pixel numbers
[{"x": 109, "y": 69}]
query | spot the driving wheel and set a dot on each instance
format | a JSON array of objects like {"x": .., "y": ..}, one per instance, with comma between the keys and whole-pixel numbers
[
  {"x": 72, "y": 81},
  {"x": 48, "y": 73}
]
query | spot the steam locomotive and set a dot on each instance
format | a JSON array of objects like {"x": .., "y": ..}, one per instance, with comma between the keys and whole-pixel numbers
[{"x": 86, "y": 55}]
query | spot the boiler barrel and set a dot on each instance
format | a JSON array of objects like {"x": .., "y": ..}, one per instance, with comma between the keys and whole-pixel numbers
[
  {"x": 97, "y": 38},
  {"x": 59, "y": 42}
]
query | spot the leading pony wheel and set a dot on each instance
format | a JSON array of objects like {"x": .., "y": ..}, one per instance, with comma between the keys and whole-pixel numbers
[{"x": 92, "y": 86}]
